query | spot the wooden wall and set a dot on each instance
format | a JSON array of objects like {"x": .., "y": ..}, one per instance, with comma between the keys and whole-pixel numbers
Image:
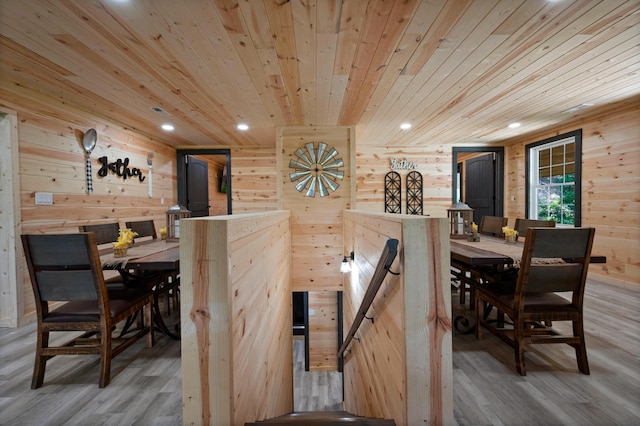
[
  {"x": 401, "y": 367},
  {"x": 433, "y": 162},
  {"x": 316, "y": 237},
  {"x": 50, "y": 159},
  {"x": 610, "y": 187},
  {"x": 237, "y": 354}
]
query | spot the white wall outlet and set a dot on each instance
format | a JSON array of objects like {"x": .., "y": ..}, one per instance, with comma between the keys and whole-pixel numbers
[
  {"x": 44, "y": 199},
  {"x": 312, "y": 312},
  {"x": 162, "y": 200}
]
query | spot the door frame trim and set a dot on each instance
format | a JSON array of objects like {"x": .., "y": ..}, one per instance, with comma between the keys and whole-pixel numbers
[
  {"x": 181, "y": 155},
  {"x": 499, "y": 173}
]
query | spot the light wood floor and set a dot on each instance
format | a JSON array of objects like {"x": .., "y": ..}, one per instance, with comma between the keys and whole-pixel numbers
[{"x": 146, "y": 384}]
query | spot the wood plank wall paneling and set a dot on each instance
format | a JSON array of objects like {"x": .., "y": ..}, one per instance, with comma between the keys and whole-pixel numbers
[
  {"x": 51, "y": 159},
  {"x": 434, "y": 163},
  {"x": 401, "y": 366},
  {"x": 610, "y": 187},
  {"x": 316, "y": 235},
  {"x": 237, "y": 362}
]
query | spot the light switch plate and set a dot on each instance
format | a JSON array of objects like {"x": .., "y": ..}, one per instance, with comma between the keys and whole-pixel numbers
[{"x": 44, "y": 199}]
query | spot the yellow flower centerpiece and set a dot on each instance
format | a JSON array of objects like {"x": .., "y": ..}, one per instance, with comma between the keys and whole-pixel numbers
[
  {"x": 163, "y": 233},
  {"x": 510, "y": 234},
  {"x": 474, "y": 233},
  {"x": 125, "y": 240}
]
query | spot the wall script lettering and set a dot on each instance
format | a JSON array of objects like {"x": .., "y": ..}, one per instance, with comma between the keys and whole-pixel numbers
[
  {"x": 403, "y": 164},
  {"x": 119, "y": 167}
]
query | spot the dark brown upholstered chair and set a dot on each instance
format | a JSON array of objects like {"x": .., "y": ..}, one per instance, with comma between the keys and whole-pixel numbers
[
  {"x": 523, "y": 224},
  {"x": 67, "y": 268},
  {"x": 534, "y": 303},
  {"x": 144, "y": 228},
  {"x": 104, "y": 233},
  {"x": 492, "y": 225}
]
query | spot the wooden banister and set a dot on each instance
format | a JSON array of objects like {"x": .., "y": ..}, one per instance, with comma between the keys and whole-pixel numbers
[{"x": 386, "y": 259}]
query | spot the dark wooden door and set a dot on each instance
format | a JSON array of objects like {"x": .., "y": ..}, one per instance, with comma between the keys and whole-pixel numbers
[
  {"x": 197, "y": 186},
  {"x": 480, "y": 186}
]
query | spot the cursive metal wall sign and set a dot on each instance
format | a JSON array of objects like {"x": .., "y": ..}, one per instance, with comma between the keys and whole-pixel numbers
[
  {"x": 403, "y": 164},
  {"x": 120, "y": 168}
]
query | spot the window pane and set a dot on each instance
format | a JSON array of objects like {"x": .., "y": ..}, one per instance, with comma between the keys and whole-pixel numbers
[
  {"x": 557, "y": 155},
  {"x": 555, "y": 204},
  {"x": 557, "y": 174},
  {"x": 570, "y": 172},
  {"x": 544, "y": 176},
  {"x": 570, "y": 153},
  {"x": 544, "y": 159},
  {"x": 543, "y": 202}
]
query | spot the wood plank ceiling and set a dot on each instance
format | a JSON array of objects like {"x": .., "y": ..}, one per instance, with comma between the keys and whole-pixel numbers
[{"x": 458, "y": 70}]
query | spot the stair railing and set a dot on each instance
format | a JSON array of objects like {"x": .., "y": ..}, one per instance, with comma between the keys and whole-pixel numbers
[{"x": 386, "y": 259}]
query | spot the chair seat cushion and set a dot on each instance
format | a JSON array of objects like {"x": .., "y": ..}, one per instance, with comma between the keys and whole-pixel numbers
[
  {"x": 88, "y": 311},
  {"x": 537, "y": 302}
]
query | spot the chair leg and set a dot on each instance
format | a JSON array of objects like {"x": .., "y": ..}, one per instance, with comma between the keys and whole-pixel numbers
[
  {"x": 462, "y": 290},
  {"x": 40, "y": 363},
  {"x": 518, "y": 334},
  {"x": 581, "y": 348},
  {"x": 148, "y": 314},
  {"x": 477, "y": 304},
  {"x": 105, "y": 358}
]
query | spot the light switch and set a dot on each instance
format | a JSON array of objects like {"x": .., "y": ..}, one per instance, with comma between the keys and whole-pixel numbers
[{"x": 44, "y": 199}]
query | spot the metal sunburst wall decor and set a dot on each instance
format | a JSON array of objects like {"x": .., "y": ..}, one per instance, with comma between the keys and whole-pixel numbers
[
  {"x": 392, "y": 192},
  {"x": 414, "y": 193},
  {"x": 316, "y": 169}
]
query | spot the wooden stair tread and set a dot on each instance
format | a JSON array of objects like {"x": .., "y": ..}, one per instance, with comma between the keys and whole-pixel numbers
[{"x": 327, "y": 418}]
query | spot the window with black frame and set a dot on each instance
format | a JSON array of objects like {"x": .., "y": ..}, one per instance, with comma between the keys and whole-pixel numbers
[{"x": 554, "y": 176}]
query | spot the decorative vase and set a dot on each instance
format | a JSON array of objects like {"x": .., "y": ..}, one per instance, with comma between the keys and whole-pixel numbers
[
  {"x": 119, "y": 252},
  {"x": 510, "y": 238}
]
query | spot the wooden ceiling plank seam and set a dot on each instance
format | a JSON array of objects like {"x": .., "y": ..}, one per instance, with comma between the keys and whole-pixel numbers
[
  {"x": 378, "y": 12},
  {"x": 584, "y": 65},
  {"x": 460, "y": 59},
  {"x": 245, "y": 39},
  {"x": 132, "y": 56},
  {"x": 447, "y": 18},
  {"x": 324, "y": 83},
  {"x": 304, "y": 16},
  {"x": 469, "y": 96},
  {"x": 507, "y": 87},
  {"x": 352, "y": 15},
  {"x": 400, "y": 16},
  {"x": 281, "y": 22}
]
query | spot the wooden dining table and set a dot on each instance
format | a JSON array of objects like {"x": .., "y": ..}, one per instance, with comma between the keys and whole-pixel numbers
[
  {"x": 150, "y": 262},
  {"x": 489, "y": 253}
]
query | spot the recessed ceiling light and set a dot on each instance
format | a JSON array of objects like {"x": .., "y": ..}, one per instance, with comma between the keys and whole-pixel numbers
[
  {"x": 243, "y": 127},
  {"x": 405, "y": 126},
  {"x": 168, "y": 127},
  {"x": 514, "y": 125}
]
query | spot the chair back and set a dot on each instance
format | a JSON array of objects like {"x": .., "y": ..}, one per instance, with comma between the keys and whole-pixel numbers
[
  {"x": 523, "y": 224},
  {"x": 555, "y": 260},
  {"x": 144, "y": 228},
  {"x": 492, "y": 225},
  {"x": 104, "y": 233},
  {"x": 63, "y": 268}
]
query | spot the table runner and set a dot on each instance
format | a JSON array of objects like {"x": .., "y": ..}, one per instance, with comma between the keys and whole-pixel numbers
[
  {"x": 513, "y": 250},
  {"x": 109, "y": 261}
]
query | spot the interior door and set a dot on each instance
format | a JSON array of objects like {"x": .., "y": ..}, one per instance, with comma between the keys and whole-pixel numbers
[
  {"x": 480, "y": 186},
  {"x": 197, "y": 177}
]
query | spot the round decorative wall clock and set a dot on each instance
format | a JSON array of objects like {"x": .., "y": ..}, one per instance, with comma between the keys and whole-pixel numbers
[{"x": 316, "y": 169}]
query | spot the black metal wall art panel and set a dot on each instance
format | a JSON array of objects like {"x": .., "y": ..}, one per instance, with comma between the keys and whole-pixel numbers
[
  {"x": 392, "y": 192},
  {"x": 414, "y": 193}
]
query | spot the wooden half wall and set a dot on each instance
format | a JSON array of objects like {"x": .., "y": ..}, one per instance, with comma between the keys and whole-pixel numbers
[
  {"x": 237, "y": 354},
  {"x": 401, "y": 367}
]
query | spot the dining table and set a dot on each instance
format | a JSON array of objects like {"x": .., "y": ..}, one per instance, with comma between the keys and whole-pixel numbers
[
  {"x": 156, "y": 263},
  {"x": 486, "y": 256}
]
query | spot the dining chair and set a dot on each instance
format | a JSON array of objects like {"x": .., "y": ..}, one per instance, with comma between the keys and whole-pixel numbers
[
  {"x": 67, "y": 268},
  {"x": 492, "y": 225},
  {"x": 144, "y": 228},
  {"x": 522, "y": 225},
  {"x": 105, "y": 233},
  {"x": 554, "y": 260},
  {"x": 169, "y": 284}
]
